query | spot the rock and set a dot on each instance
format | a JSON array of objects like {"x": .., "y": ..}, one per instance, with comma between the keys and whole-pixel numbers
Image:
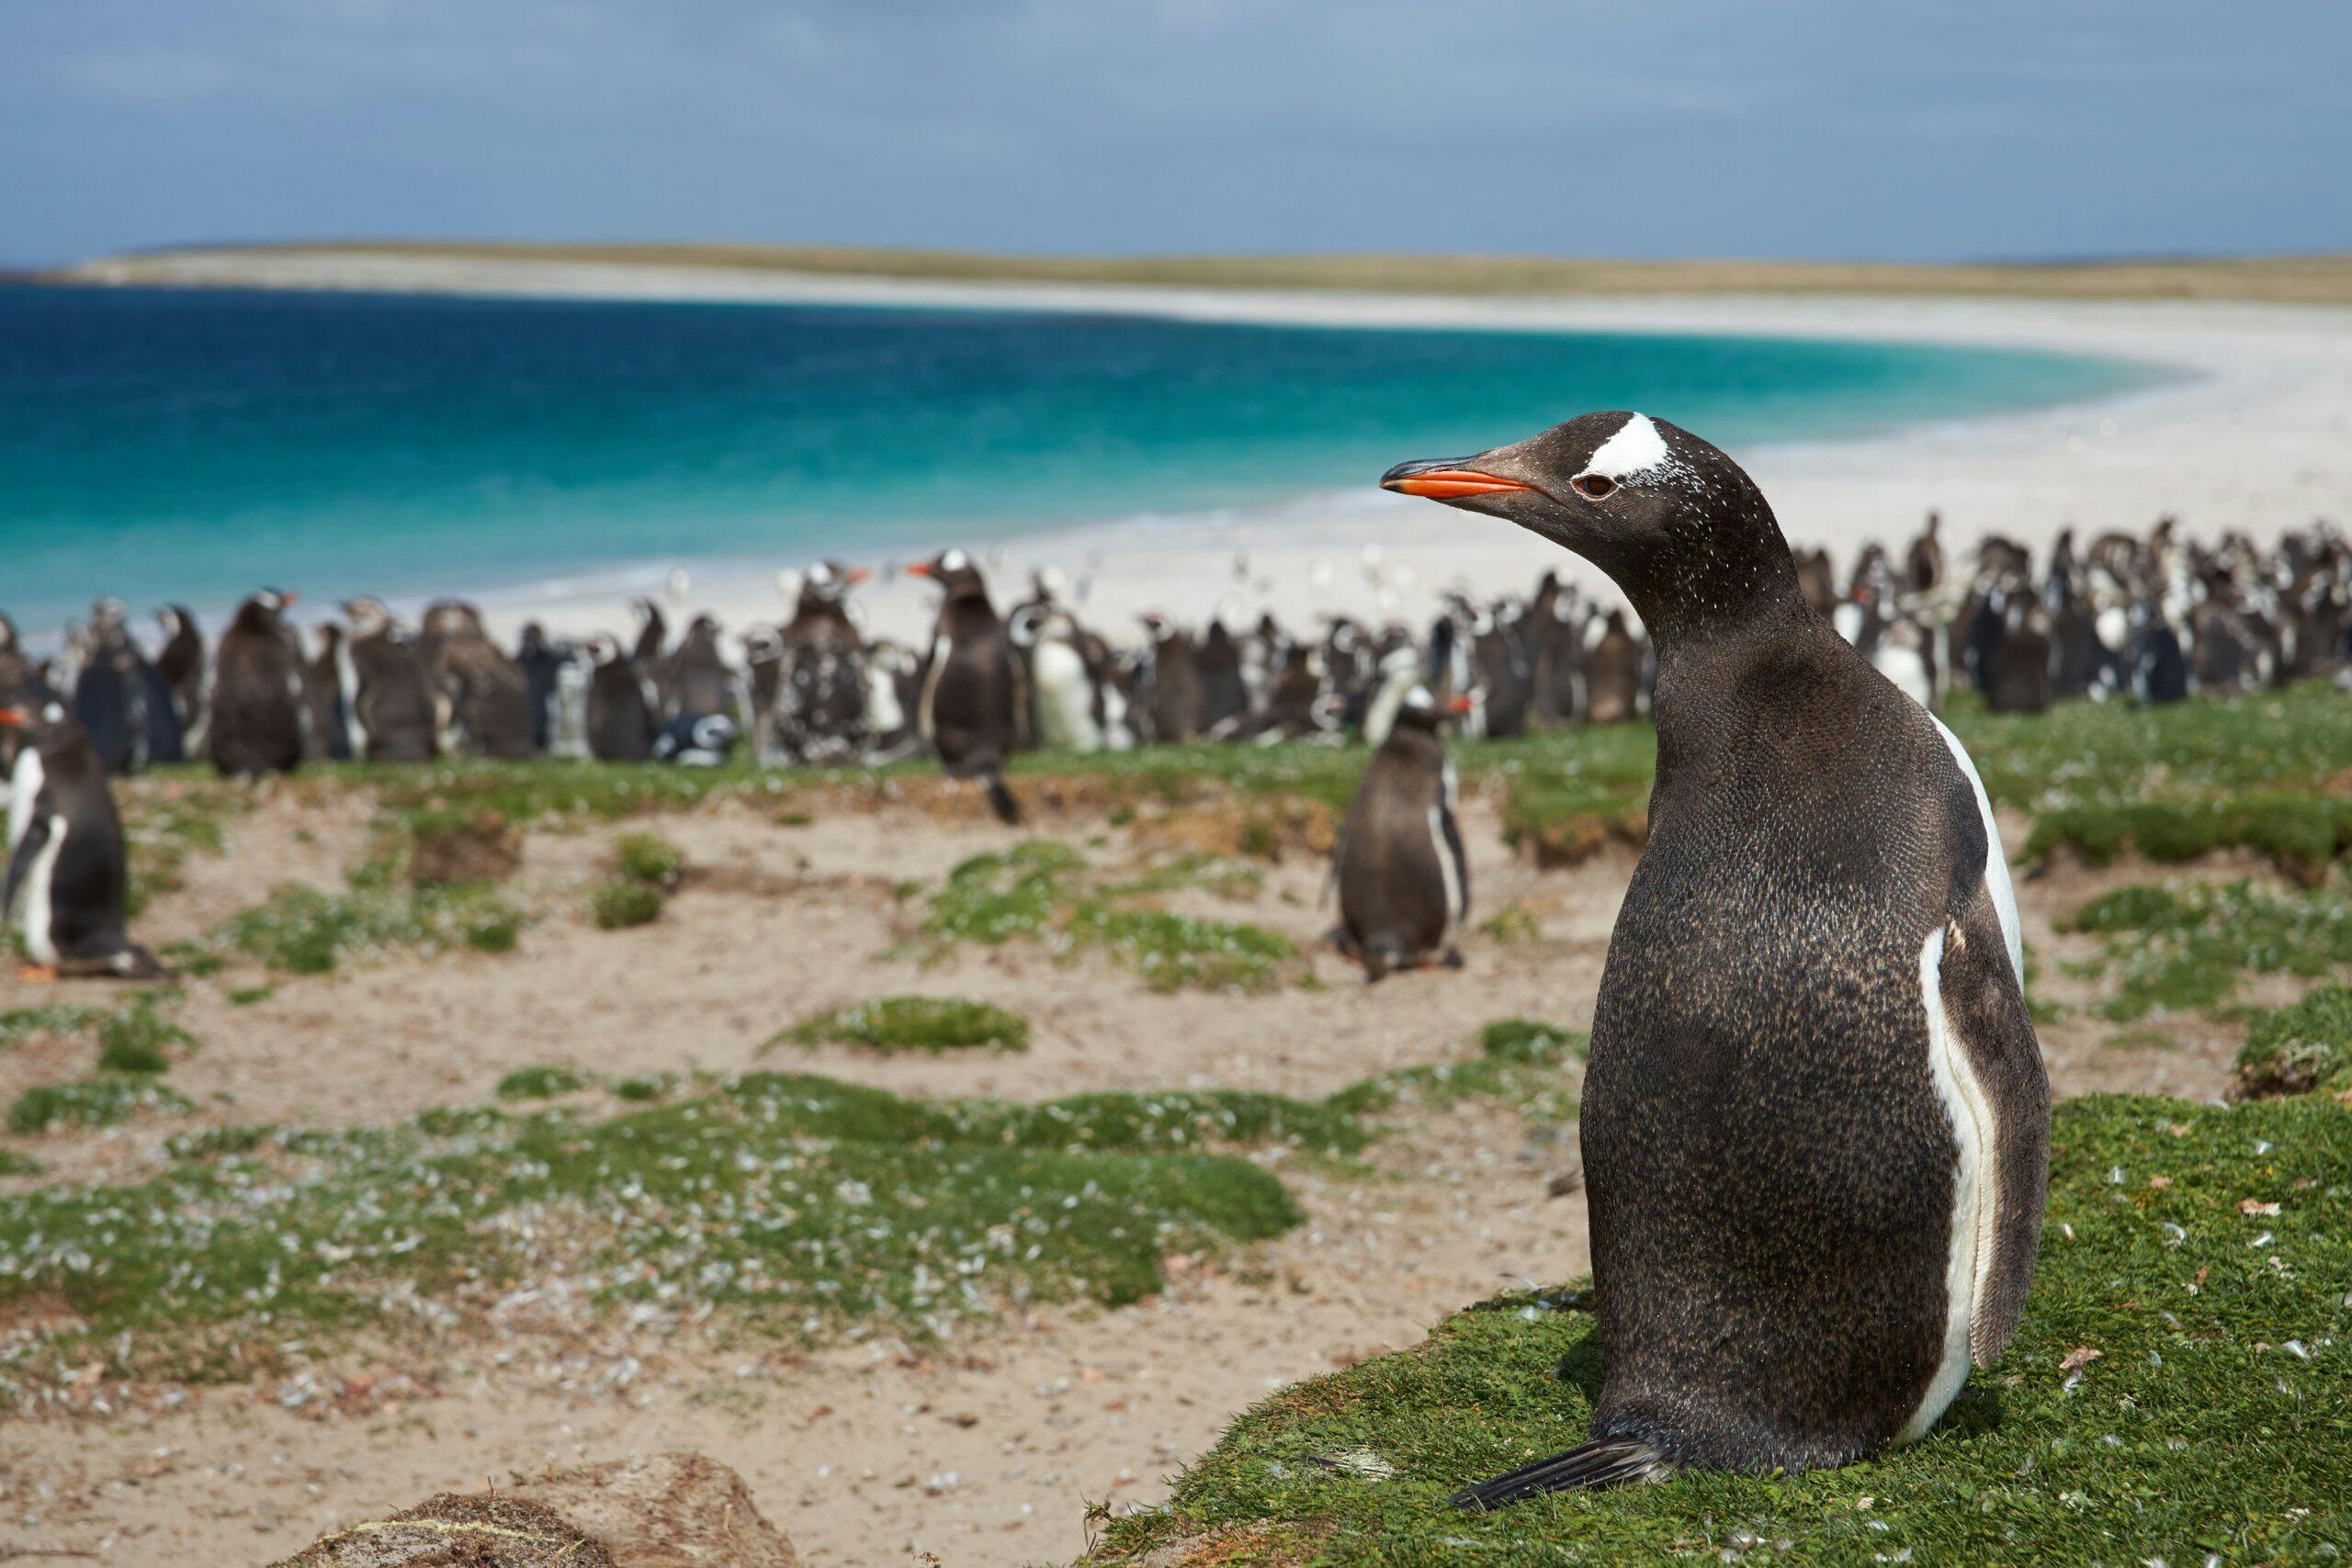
[
  {"x": 673, "y": 1510},
  {"x": 455, "y": 1531}
]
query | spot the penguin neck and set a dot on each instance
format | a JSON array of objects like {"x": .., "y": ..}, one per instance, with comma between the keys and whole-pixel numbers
[{"x": 1722, "y": 589}]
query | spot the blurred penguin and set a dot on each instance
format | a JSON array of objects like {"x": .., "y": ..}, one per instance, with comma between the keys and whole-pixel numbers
[{"x": 1403, "y": 881}]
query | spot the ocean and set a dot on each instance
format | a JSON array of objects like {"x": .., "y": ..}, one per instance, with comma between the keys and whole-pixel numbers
[{"x": 188, "y": 446}]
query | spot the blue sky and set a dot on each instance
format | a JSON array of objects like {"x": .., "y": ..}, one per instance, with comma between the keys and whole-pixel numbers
[{"x": 1781, "y": 128}]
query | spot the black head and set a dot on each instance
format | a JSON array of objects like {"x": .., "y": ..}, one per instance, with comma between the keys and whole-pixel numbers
[
  {"x": 829, "y": 583},
  {"x": 266, "y": 610},
  {"x": 1678, "y": 525},
  {"x": 1421, "y": 711},
  {"x": 957, "y": 573}
]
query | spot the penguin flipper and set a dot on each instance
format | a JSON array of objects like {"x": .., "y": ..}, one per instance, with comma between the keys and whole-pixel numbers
[
  {"x": 1001, "y": 800},
  {"x": 28, "y": 848},
  {"x": 1607, "y": 1461},
  {"x": 1986, "y": 1010}
]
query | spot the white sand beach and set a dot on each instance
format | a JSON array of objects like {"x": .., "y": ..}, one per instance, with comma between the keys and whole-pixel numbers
[{"x": 2256, "y": 434}]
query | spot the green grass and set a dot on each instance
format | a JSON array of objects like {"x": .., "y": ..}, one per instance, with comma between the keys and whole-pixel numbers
[
  {"x": 13, "y": 1163},
  {"x": 804, "y": 1206},
  {"x": 140, "y": 1039},
  {"x": 617, "y": 905},
  {"x": 301, "y": 930},
  {"x": 1042, "y": 891},
  {"x": 2213, "y": 1419},
  {"x": 2186, "y": 949},
  {"x": 2300, "y": 1048},
  {"x": 1518, "y": 1063},
  {"x": 108, "y": 1100},
  {"x": 184, "y": 814},
  {"x": 19, "y": 1024},
  {"x": 649, "y": 858},
  {"x": 915, "y": 1024},
  {"x": 539, "y": 1083}
]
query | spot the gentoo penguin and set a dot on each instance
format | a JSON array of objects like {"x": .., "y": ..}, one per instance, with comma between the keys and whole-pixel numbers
[
  {"x": 255, "y": 722},
  {"x": 1066, "y": 689},
  {"x": 326, "y": 729},
  {"x": 485, "y": 695},
  {"x": 1178, "y": 703},
  {"x": 68, "y": 882},
  {"x": 1403, "y": 881},
  {"x": 1225, "y": 691},
  {"x": 181, "y": 664},
  {"x": 386, "y": 706},
  {"x": 970, "y": 698},
  {"x": 2018, "y": 680},
  {"x": 109, "y": 696},
  {"x": 1923, "y": 564},
  {"x": 652, "y": 632},
  {"x": 542, "y": 668},
  {"x": 697, "y": 682},
  {"x": 1613, "y": 671},
  {"x": 1816, "y": 1124},
  {"x": 621, "y": 722},
  {"x": 820, "y": 710},
  {"x": 690, "y": 740}
]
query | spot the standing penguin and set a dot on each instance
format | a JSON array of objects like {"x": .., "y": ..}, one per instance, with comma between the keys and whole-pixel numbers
[
  {"x": 1613, "y": 671},
  {"x": 817, "y": 711},
  {"x": 385, "y": 702},
  {"x": 1403, "y": 881},
  {"x": 68, "y": 881},
  {"x": 1815, "y": 1122},
  {"x": 621, "y": 722},
  {"x": 1179, "y": 701},
  {"x": 697, "y": 682},
  {"x": 542, "y": 668},
  {"x": 181, "y": 664},
  {"x": 970, "y": 696},
  {"x": 256, "y": 724}
]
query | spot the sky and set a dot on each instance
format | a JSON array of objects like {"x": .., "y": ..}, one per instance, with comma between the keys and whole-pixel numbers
[{"x": 1871, "y": 130}]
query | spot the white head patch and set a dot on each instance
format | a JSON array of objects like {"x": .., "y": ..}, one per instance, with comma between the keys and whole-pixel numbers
[
  {"x": 955, "y": 560},
  {"x": 1634, "y": 450}
]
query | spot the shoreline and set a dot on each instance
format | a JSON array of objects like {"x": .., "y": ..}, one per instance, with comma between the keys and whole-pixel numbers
[{"x": 2253, "y": 429}]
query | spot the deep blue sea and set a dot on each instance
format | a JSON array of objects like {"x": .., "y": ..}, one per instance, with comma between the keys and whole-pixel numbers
[{"x": 187, "y": 446}]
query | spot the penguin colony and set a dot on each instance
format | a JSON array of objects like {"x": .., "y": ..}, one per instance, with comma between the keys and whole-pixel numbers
[{"x": 1815, "y": 1122}]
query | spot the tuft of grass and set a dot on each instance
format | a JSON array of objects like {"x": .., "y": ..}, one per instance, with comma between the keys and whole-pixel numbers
[
  {"x": 646, "y": 1087},
  {"x": 617, "y": 905},
  {"x": 306, "y": 930},
  {"x": 2186, "y": 950},
  {"x": 139, "y": 1040},
  {"x": 2300, "y": 1048},
  {"x": 13, "y": 1163},
  {"x": 915, "y": 1024},
  {"x": 649, "y": 858},
  {"x": 1512, "y": 923},
  {"x": 2216, "y": 1332},
  {"x": 1520, "y": 1062},
  {"x": 107, "y": 1100},
  {"x": 19, "y": 1024},
  {"x": 539, "y": 1083},
  {"x": 1040, "y": 890},
  {"x": 164, "y": 827}
]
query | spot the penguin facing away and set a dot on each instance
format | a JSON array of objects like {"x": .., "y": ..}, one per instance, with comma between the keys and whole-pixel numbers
[
  {"x": 255, "y": 719},
  {"x": 620, "y": 720},
  {"x": 385, "y": 700},
  {"x": 1815, "y": 974},
  {"x": 970, "y": 696},
  {"x": 1403, "y": 881},
  {"x": 68, "y": 880}
]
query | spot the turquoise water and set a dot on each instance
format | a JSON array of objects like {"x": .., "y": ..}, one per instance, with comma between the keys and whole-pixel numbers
[{"x": 187, "y": 446}]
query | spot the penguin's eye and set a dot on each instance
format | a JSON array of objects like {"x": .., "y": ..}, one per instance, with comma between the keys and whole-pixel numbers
[{"x": 1594, "y": 487}]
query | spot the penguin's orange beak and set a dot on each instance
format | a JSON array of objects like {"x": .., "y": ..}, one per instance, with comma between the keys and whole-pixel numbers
[
  {"x": 919, "y": 569},
  {"x": 1445, "y": 478},
  {"x": 15, "y": 718},
  {"x": 1459, "y": 705}
]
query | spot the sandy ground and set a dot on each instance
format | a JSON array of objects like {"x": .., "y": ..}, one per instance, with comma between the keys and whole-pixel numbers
[
  {"x": 2257, "y": 434},
  {"x": 984, "y": 1451}
]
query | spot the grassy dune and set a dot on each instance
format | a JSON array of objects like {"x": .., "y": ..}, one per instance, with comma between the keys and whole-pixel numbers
[{"x": 2304, "y": 279}]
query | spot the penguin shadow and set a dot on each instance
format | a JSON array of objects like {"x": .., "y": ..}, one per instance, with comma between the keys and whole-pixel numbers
[{"x": 1580, "y": 1368}]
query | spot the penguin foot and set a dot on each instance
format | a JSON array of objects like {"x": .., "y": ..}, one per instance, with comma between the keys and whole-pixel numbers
[
  {"x": 1453, "y": 959},
  {"x": 38, "y": 975}
]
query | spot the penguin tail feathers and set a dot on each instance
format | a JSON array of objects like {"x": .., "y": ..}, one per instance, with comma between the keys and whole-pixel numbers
[
  {"x": 1001, "y": 801},
  {"x": 1608, "y": 1462}
]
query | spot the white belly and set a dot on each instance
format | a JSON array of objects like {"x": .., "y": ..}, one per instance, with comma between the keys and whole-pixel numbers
[
  {"x": 926, "y": 710},
  {"x": 1064, "y": 698},
  {"x": 41, "y": 943},
  {"x": 1969, "y": 1252},
  {"x": 1909, "y": 673},
  {"x": 24, "y": 790}
]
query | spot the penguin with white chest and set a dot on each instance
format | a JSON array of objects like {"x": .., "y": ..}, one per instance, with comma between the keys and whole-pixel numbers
[
  {"x": 1815, "y": 1122},
  {"x": 68, "y": 883},
  {"x": 970, "y": 696},
  {"x": 1403, "y": 881}
]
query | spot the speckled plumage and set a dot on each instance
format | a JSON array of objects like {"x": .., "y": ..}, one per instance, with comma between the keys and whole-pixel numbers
[{"x": 1773, "y": 1170}]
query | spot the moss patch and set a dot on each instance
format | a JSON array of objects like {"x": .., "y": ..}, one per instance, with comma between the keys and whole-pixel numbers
[
  {"x": 649, "y": 858},
  {"x": 915, "y": 1024},
  {"x": 104, "y": 1101},
  {"x": 2211, "y": 1419},
  {"x": 618, "y": 905},
  {"x": 306, "y": 931},
  {"x": 140, "y": 1039},
  {"x": 2300, "y": 1048},
  {"x": 2185, "y": 950},
  {"x": 1043, "y": 891},
  {"x": 539, "y": 1083}
]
